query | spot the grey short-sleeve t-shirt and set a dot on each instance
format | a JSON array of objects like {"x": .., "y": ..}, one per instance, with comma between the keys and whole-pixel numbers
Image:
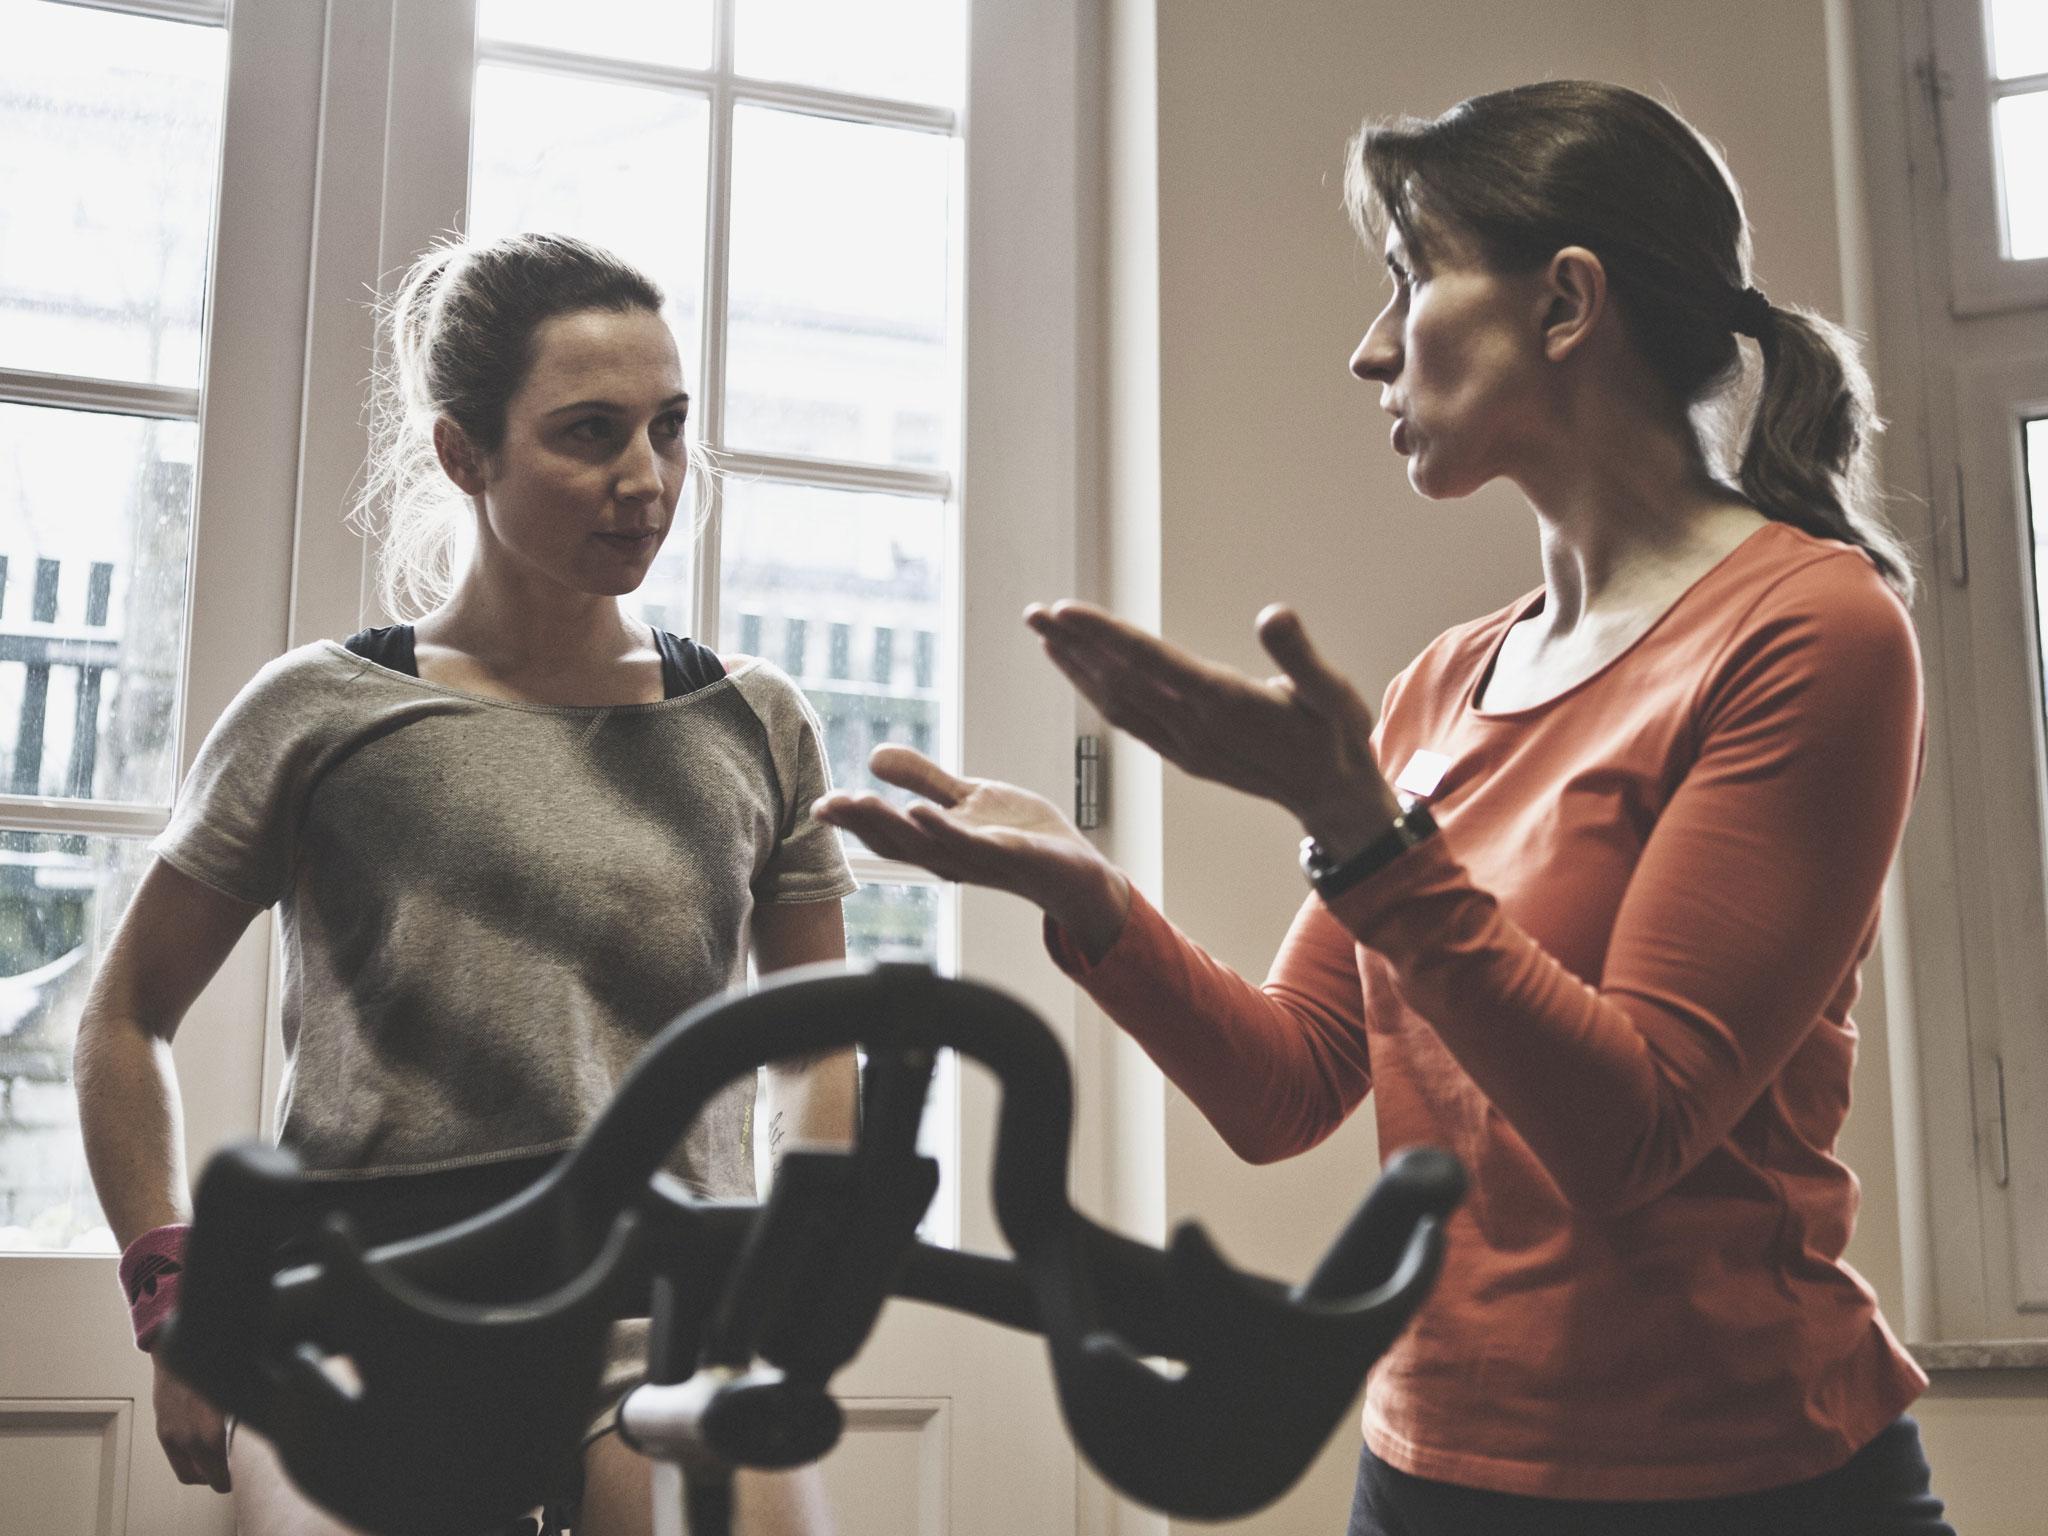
[{"x": 489, "y": 908}]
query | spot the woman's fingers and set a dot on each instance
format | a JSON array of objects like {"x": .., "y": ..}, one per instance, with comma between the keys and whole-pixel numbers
[
  {"x": 1280, "y": 631},
  {"x": 1132, "y": 702},
  {"x": 907, "y": 768},
  {"x": 1117, "y": 646}
]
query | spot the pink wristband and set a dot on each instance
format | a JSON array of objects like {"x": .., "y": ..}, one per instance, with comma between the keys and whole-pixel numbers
[{"x": 151, "y": 1268}]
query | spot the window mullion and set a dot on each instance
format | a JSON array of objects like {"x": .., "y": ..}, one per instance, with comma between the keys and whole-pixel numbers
[
  {"x": 717, "y": 281},
  {"x": 167, "y": 402},
  {"x": 205, "y": 12}
]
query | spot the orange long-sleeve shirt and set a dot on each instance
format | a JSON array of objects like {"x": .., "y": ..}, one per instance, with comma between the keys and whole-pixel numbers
[{"x": 1617, "y": 987}]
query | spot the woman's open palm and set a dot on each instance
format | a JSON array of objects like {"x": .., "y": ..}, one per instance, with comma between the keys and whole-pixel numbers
[{"x": 983, "y": 832}]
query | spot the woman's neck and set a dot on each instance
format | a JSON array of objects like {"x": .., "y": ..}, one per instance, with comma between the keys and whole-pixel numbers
[
  {"x": 1628, "y": 515},
  {"x": 532, "y": 636}
]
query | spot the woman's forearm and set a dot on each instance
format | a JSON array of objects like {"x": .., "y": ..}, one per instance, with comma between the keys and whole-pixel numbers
[
  {"x": 809, "y": 1103},
  {"x": 129, "y": 1115},
  {"x": 173, "y": 938}
]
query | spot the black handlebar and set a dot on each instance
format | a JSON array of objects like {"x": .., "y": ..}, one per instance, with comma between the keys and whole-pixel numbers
[{"x": 478, "y": 1348}]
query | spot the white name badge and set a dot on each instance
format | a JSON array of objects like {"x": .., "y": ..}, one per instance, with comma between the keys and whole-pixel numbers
[{"x": 1425, "y": 771}]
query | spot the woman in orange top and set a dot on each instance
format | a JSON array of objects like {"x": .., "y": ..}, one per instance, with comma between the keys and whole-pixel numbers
[{"x": 1592, "y": 894}]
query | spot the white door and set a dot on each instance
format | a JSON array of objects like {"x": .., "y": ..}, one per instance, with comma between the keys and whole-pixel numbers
[{"x": 154, "y": 216}]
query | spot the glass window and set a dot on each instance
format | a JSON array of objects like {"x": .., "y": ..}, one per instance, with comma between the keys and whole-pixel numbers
[
  {"x": 842, "y": 256},
  {"x": 2022, "y": 152},
  {"x": 109, "y": 153},
  {"x": 806, "y": 548},
  {"x": 2019, "y": 38},
  {"x": 109, "y": 142},
  {"x": 885, "y": 654},
  {"x": 750, "y": 634},
  {"x": 913, "y": 50},
  {"x": 60, "y": 896},
  {"x": 95, "y": 550},
  {"x": 622, "y": 166},
  {"x": 794, "y": 632}
]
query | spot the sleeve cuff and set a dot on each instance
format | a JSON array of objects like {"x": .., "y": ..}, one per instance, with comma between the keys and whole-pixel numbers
[{"x": 1372, "y": 910}]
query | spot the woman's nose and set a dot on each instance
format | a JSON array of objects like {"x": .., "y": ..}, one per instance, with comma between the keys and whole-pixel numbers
[
  {"x": 640, "y": 471},
  {"x": 1378, "y": 356}
]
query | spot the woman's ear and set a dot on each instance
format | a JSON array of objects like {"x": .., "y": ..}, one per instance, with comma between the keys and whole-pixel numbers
[
  {"x": 459, "y": 459},
  {"x": 1575, "y": 298}
]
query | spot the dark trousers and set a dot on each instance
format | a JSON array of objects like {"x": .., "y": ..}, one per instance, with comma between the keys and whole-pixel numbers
[{"x": 1881, "y": 1491}]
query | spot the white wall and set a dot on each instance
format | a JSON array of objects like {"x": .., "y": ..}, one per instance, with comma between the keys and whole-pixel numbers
[{"x": 1242, "y": 465}]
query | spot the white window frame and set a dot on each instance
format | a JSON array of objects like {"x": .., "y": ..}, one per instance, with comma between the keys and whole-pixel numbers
[
  {"x": 1961, "y": 359},
  {"x": 1965, "y": 94},
  {"x": 393, "y": 173}
]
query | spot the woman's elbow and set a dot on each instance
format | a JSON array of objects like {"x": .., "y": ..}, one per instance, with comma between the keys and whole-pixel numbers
[{"x": 1273, "y": 1139}]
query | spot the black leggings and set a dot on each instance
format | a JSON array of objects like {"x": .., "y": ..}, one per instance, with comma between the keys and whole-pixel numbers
[{"x": 1881, "y": 1491}]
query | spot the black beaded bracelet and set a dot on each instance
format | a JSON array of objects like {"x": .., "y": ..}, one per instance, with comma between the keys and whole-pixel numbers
[{"x": 1331, "y": 879}]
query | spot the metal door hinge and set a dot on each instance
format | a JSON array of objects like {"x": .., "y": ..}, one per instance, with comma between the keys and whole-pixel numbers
[{"x": 1088, "y": 782}]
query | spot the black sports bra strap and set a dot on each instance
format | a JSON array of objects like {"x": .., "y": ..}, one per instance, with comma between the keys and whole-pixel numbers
[
  {"x": 389, "y": 647},
  {"x": 686, "y": 666}
]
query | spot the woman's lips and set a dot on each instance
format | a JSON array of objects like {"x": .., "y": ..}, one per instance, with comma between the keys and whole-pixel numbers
[{"x": 1399, "y": 436}]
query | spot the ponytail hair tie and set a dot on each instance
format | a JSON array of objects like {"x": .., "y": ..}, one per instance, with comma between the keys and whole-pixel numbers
[
  {"x": 152, "y": 1268},
  {"x": 1751, "y": 313}
]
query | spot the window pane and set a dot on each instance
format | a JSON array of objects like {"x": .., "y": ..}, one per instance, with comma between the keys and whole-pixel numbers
[
  {"x": 2019, "y": 38},
  {"x": 60, "y": 896},
  {"x": 95, "y": 543},
  {"x": 619, "y": 165},
  {"x": 841, "y": 264},
  {"x": 852, "y": 565},
  {"x": 894, "y": 922},
  {"x": 2022, "y": 151},
  {"x": 109, "y": 153},
  {"x": 672, "y": 32},
  {"x": 913, "y": 50}
]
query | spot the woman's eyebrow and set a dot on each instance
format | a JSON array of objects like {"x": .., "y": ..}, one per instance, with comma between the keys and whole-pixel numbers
[{"x": 616, "y": 409}]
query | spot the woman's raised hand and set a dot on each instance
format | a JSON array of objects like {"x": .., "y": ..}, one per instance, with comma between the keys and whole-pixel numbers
[
  {"x": 986, "y": 832},
  {"x": 1302, "y": 739}
]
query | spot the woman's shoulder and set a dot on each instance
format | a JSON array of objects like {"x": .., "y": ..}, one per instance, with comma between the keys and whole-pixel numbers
[
  {"x": 312, "y": 692},
  {"x": 757, "y": 676},
  {"x": 1786, "y": 579},
  {"x": 1801, "y": 612},
  {"x": 301, "y": 674}
]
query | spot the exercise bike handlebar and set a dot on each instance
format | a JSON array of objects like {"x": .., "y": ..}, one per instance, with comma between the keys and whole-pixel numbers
[{"x": 478, "y": 1348}]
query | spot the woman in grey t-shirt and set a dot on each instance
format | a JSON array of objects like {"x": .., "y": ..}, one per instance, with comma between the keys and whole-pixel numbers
[{"x": 507, "y": 842}]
